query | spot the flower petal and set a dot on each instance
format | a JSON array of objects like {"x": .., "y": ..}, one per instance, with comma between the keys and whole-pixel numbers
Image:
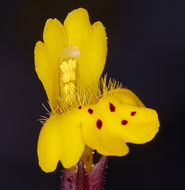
[
  {"x": 48, "y": 148},
  {"x": 78, "y": 28},
  {"x": 47, "y": 75},
  {"x": 105, "y": 143},
  {"x": 118, "y": 118},
  {"x": 142, "y": 127},
  {"x": 92, "y": 59},
  {"x": 97, "y": 137},
  {"x": 140, "y": 123},
  {"x": 55, "y": 39},
  {"x": 125, "y": 96},
  {"x": 60, "y": 139},
  {"x": 47, "y": 56},
  {"x": 92, "y": 43},
  {"x": 72, "y": 144},
  {"x": 112, "y": 147}
]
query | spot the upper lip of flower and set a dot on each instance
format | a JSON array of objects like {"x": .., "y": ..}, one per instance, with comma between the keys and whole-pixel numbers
[{"x": 59, "y": 44}]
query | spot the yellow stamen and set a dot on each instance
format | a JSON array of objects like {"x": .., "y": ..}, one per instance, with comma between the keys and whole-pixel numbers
[
  {"x": 67, "y": 80},
  {"x": 68, "y": 63}
]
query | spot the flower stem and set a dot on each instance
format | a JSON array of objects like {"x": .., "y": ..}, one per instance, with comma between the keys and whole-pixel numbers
[
  {"x": 79, "y": 179},
  {"x": 69, "y": 180}
]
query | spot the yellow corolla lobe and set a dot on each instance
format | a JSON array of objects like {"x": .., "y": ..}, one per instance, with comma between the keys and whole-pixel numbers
[{"x": 60, "y": 139}]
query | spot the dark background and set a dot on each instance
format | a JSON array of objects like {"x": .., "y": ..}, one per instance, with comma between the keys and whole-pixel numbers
[{"x": 146, "y": 51}]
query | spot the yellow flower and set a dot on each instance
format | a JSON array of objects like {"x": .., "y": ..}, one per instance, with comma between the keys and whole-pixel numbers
[{"x": 69, "y": 63}]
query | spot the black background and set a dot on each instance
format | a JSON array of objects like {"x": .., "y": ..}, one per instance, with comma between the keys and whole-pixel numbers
[{"x": 146, "y": 51}]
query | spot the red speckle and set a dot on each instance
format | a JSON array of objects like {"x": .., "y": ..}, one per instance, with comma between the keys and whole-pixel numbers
[
  {"x": 112, "y": 107},
  {"x": 124, "y": 122},
  {"x": 133, "y": 113},
  {"x": 90, "y": 111},
  {"x": 99, "y": 123},
  {"x": 80, "y": 107}
]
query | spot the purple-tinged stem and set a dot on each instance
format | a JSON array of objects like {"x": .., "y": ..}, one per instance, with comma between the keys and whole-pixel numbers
[
  {"x": 69, "y": 179},
  {"x": 96, "y": 177},
  {"x": 81, "y": 176},
  {"x": 81, "y": 180}
]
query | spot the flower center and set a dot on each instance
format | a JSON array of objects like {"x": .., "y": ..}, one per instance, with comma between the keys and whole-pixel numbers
[{"x": 67, "y": 69}]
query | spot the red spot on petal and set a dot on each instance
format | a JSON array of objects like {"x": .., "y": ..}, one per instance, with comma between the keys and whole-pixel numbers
[
  {"x": 112, "y": 107},
  {"x": 99, "y": 123},
  {"x": 80, "y": 107},
  {"x": 90, "y": 111},
  {"x": 124, "y": 122},
  {"x": 133, "y": 113}
]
